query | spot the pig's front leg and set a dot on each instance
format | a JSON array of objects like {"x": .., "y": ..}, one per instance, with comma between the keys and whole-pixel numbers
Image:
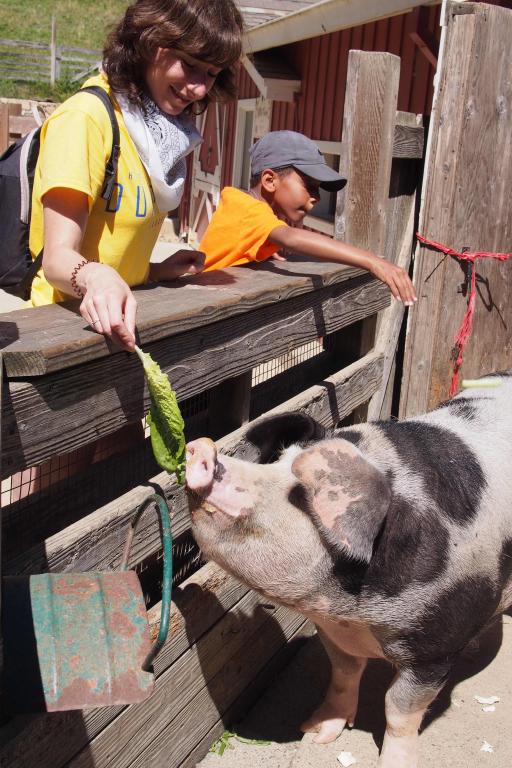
[
  {"x": 407, "y": 700},
  {"x": 340, "y": 704}
]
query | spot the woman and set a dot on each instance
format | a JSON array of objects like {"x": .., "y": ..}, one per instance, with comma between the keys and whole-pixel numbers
[{"x": 162, "y": 64}]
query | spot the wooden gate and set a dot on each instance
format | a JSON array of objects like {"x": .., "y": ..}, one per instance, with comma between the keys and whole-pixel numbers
[
  {"x": 206, "y": 170},
  {"x": 465, "y": 203}
]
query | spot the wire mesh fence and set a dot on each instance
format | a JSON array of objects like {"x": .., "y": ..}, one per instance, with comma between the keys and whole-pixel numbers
[{"x": 78, "y": 483}]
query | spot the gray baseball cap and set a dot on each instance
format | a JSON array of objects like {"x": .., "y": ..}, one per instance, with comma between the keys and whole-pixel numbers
[{"x": 281, "y": 149}]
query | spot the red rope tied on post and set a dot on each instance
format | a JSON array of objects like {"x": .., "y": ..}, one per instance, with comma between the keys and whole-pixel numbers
[{"x": 466, "y": 326}]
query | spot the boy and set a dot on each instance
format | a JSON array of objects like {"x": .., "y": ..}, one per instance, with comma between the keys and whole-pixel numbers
[{"x": 287, "y": 171}]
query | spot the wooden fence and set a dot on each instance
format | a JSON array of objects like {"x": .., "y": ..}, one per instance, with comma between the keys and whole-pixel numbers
[
  {"x": 465, "y": 203},
  {"x": 26, "y": 61},
  {"x": 66, "y": 387}
]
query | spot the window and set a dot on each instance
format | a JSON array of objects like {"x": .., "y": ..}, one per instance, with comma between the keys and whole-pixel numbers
[
  {"x": 243, "y": 142},
  {"x": 322, "y": 216}
]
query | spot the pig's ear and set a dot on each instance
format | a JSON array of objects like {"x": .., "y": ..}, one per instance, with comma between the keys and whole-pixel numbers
[
  {"x": 274, "y": 433},
  {"x": 345, "y": 494}
]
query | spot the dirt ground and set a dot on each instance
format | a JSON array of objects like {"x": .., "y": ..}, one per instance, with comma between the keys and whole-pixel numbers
[{"x": 454, "y": 732}]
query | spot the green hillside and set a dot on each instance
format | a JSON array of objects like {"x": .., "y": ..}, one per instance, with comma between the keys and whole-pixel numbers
[{"x": 82, "y": 23}]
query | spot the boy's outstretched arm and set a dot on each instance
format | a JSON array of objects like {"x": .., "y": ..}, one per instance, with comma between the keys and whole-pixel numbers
[{"x": 322, "y": 247}]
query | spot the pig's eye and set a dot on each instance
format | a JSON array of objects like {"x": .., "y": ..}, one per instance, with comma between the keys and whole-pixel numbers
[{"x": 220, "y": 471}]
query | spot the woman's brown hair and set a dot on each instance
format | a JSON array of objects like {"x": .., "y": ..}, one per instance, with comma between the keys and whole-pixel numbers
[{"x": 209, "y": 30}]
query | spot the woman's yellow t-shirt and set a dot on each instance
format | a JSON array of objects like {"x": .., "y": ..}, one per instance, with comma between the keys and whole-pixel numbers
[
  {"x": 238, "y": 232},
  {"x": 76, "y": 142}
]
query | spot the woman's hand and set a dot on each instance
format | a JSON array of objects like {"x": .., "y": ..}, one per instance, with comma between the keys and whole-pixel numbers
[
  {"x": 182, "y": 262},
  {"x": 108, "y": 305}
]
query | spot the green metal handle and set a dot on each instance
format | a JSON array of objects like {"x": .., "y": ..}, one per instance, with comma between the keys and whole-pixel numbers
[{"x": 165, "y": 514}]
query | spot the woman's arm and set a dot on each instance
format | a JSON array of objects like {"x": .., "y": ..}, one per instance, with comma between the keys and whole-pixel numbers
[
  {"x": 323, "y": 247},
  {"x": 108, "y": 304}
]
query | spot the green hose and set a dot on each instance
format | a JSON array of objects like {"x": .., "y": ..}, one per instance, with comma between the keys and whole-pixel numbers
[{"x": 165, "y": 519}]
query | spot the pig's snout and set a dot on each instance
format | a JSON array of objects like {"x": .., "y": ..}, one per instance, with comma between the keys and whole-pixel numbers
[{"x": 201, "y": 463}]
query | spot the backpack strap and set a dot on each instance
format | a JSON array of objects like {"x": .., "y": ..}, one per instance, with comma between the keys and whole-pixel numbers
[
  {"x": 23, "y": 288},
  {"x": 111, "y": 166}
]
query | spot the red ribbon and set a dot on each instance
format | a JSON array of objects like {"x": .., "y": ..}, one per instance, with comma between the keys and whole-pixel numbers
[{"x": 466, "y": 326}]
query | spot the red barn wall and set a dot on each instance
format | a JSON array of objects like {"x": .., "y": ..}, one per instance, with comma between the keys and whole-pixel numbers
[{"x": 321, "y": 64}]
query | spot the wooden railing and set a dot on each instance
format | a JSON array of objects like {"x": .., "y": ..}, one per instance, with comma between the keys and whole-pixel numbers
[{"x": 64, "y": 387}]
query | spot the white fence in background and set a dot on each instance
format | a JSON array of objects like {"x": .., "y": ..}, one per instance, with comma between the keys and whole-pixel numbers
[{"x": 26, "y": 61}]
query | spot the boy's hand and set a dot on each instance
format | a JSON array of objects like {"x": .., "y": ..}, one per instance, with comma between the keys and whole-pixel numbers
[
  {"x": 187, "y": 262},
  {"x": 396, "y": 278},
  {"x": 183, "y": 262}
]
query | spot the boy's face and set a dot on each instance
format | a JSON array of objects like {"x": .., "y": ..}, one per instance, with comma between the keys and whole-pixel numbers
[{"x": 294, "y": 194}]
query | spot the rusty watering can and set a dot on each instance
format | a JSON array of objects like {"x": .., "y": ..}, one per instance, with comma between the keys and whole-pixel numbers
[{"x": 80, "y": 640}]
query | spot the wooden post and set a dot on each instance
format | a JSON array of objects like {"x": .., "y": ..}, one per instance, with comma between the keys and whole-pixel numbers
[
  {"x": 405, "y": 176},
  {"x": 366, "y": 155},
  {"x": 6, "y": 112},
  {"x": 230, "y": 404},
  {"x": 4, "y": 126},
  {"x": 465, "y": 202},
  {"x": 54, "y": 54},
  {"x": 1, "y": 397}
]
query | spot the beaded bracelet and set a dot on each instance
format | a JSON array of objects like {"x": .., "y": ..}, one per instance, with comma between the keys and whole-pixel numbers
[{"x": 74, "y": 273}]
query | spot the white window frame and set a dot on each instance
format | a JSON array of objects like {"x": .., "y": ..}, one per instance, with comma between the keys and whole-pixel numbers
[
  {"x": 321, "y": 225},
  {"x": 243, "y": 106}
]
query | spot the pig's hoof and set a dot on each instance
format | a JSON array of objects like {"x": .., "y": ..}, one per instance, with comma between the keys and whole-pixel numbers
[{"x": 326, "y": 723}]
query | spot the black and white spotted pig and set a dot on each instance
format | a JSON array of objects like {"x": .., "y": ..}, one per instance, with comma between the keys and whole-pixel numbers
[{"x": 395, "y": 538}]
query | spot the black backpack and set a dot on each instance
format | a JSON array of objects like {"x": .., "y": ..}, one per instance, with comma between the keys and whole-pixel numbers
[{"x": 17, "y": 168}]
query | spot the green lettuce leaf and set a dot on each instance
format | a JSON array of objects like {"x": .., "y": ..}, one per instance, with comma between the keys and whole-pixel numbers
[{"x": 166, "y": 425}]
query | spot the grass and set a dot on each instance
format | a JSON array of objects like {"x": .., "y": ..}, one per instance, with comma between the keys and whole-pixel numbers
[
  {"x": 80, "y": 23},
  {"x": 10, "y": 89}
]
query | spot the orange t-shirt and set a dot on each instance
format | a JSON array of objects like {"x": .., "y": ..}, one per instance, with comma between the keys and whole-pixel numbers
[{"x": 239, "y": 230}]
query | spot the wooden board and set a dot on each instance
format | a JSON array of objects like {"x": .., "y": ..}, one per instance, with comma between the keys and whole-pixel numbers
[
  {"x": 367, "y": 148},
  {"x": 40, "y": 340},
  {"x": 362, "y": 212},
  {"x": 211, "y": 672},
  {"x": 64, "y": 410},
  {"x": 51, "y": 740},
  {"x": 408, "y": 138},
  {"x": 257, "y": 686},
  {"x": 220, "y": 635},
  {"x": 465, "y": 202}
]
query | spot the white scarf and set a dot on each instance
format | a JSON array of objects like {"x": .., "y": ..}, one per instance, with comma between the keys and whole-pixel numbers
[{"x": 162, "y": 141}]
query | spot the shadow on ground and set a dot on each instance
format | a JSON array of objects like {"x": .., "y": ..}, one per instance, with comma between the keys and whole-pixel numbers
[{"x": 278, "y": 714}]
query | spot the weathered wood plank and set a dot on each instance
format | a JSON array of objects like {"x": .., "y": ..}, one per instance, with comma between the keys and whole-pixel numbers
[
  {"x": 181, "y": 732},
  {"x": 96, "y": 542},
  {"x": 51, "y": 740},
  {"x": 230, "y": 405},
  {"x": 408, "y": 137},
  {"x": 21, "y": 124},
  {"x": 390, "y": 320},
  {"x": 64, "y": 410},
  {"x": 251, "y": 693},
  {"x": 40, "y": 340},
  {"x": 4, "y": 127},
  {"x": 139, "y": 727},
  {"x": 362, "y": 216},
  {"x": 465, "y": 202},
  {"x": 367, "y": 148}
]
